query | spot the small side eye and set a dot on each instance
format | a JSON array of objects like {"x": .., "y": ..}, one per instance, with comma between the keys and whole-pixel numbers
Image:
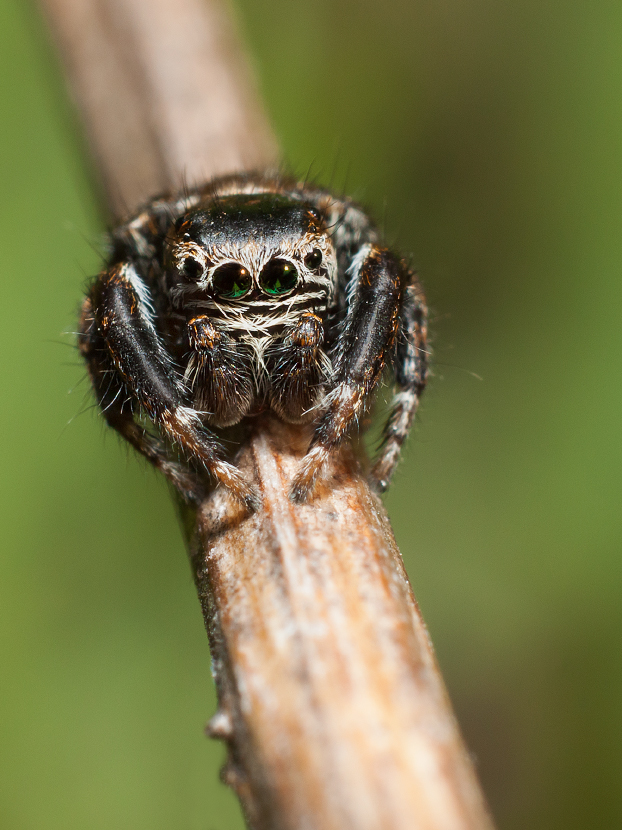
[
  {"x": 192, "y": 268},
  {"x": 314, "y": 259},
  {"x": 278, "y": 277},
  {"x": 231, "y": 281}
]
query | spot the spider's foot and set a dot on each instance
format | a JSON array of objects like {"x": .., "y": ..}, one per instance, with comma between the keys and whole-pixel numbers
[
  {"x": 379, "y": 478},
  {"x": 377, "y": 484},
  {"x": 382, "y": 471},
  {"x": 308, "y": 472},
  {"x": 231, "y": 478}
]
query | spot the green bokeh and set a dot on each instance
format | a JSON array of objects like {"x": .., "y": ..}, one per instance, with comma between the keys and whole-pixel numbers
[{"x": 487, "y": 137}]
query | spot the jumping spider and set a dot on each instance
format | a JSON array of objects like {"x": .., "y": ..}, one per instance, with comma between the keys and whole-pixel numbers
[{"x": 251, "y": 293}]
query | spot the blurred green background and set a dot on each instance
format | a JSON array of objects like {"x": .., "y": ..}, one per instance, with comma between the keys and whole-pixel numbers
[{"x": 487, "y": 137}]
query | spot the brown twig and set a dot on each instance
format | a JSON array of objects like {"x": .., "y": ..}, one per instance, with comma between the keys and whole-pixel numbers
[
  {"x": 330, "y": 698},
  {"x": 331, "y": 701},
  {"x": 163, "y": 91}
]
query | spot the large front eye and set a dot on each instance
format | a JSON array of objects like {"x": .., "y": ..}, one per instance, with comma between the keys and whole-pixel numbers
[
  {"x": 278, "y": 277},
  {"x": 231, "y": 281}
]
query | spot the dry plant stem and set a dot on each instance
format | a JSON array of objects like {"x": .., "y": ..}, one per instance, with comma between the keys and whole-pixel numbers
[
  {"x": 331, "y": 702},
  {"x": 164, "y": 93},
  {"x": 330, "y": 698}
]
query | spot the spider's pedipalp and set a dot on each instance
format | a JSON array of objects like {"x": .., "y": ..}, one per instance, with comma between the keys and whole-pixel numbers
[
  {"x": 298, "y": 369},
  {"x": 219, "y": 373}
]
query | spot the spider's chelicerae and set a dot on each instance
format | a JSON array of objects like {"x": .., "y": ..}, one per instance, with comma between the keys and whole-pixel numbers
[{"x": 249, "y": 294}]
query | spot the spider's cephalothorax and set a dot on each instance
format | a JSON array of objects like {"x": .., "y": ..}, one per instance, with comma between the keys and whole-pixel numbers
[{"x": 251, "y": 293}]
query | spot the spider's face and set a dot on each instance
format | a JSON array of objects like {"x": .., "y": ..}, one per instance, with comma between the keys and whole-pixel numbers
[{"x": 248, "y": 249}]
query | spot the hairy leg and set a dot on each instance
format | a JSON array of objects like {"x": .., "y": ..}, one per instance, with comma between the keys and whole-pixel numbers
[
  {"x": 122, "y": 318},
  {"x": 362, "y": 349},
  {"x": 411, "y": 368},
  {"x": 298, "y": 369}
]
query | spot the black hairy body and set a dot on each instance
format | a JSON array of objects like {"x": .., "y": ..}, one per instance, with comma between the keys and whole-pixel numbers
[{"x": 249, "y": 294}]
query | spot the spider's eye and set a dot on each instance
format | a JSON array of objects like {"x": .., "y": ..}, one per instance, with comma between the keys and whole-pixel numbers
[
  {"x": 192, "y": 268},
  {"x": 314, "y": 259},
  {"x": 231, "y": 281},
  {"x": 278, "y": 277}
]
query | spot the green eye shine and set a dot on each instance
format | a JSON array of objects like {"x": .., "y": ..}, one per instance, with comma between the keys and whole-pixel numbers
[
  {"x": 278, "y": 277},
  {"x": 231, "y": 281}
]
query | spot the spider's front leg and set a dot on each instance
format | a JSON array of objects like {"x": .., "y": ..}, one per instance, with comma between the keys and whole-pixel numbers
[
  {"x": 120, "y": 340},
  {"x": 115, "y": 401},
  {"x": 371, "y": 324}
]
